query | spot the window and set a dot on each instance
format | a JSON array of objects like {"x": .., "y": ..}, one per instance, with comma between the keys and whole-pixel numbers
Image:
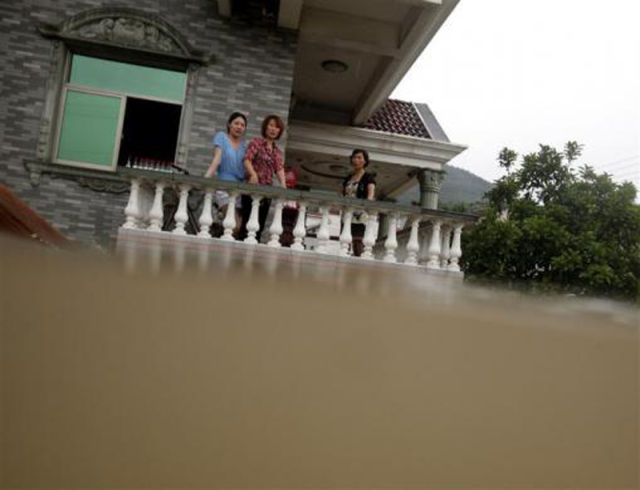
[{"x": 116, "y": 113}]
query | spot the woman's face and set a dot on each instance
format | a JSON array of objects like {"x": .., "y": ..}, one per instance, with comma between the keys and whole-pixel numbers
[
  {"x": 237, "y": 127},
  {"x": 273, "y": 130},
  {"x": 358, "y": 161}
]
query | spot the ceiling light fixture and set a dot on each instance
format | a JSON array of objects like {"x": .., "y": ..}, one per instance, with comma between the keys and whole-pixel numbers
[{"x": 334, "y": 66}]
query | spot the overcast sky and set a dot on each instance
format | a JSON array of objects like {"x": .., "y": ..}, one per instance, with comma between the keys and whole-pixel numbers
[{"x": 521, "y": 72}]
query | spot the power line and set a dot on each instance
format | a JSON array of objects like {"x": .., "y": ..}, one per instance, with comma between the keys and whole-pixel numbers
[{"x": 608, "y": 164}]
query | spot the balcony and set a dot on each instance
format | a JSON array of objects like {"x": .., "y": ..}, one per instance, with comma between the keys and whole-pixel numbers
[{"x": 177, "y": 212}]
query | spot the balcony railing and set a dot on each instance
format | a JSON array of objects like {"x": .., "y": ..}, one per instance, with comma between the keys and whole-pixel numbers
[{"x": 394, "y": 234}]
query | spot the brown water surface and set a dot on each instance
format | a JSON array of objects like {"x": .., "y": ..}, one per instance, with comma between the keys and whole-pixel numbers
[{"x": 186, "y": 369}]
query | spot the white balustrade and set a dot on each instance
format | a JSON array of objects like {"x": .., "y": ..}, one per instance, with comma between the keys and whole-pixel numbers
[
  {"x": 229, "y": 222},
  {"x": 413, "y": 245},
  {"x": 300, "y": 231},
  {"x": 438, "y": 243},
  {"x": 434, "y": 246},
  {"x": 206, "y": 217},
  {"x": 156, "y": 213},
  {"x": 181, "y": 216},
  {"x": 391, "y": 243},
  {"x": 253, "y": 225},
  {"x": 369, "y": 239},
  {"x": 345, "y": 235},
  {"x": 456, "y": 251},
  {"x": 276, "y": 226},
  {"x": 323, "y": 231},
  {"x": 445, "y": 250},
  {"x": 132, "y": 211}
]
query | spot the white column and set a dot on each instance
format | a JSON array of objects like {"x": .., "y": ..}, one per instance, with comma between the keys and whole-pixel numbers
[
  {"x": 391, "y": 243},
  {"x": 229, "y": 222},
  {"x": 323, "y": 231},
  {"x": 369, "y": 239},
  {"x": 206, "y": 218},
  {"x": 345, "y": 236},
  {"x": 253, "y": 225},
  {"x": 275, "y": 230},
  {"x": 434, "y": 246},
  {"x": 132, "y": 211},
  {"x": 456, "y": 251},
  {"x": 413, "y": 245},
  {"x": 445, "y": 250},
  {"x": 181, "y": 216},
  {"x": 156, "y": 214},
  {"x": 300, "y": 231}
]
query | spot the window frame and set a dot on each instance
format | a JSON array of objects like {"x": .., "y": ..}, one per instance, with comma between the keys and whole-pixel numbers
[{"x": 123, "y": 96}]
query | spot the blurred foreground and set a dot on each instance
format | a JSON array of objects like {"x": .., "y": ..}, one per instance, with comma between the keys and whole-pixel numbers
[{"x": 249, "y": 373}]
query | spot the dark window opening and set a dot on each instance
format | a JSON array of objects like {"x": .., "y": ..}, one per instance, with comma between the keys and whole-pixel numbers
[{"x": 149, "y": 134}]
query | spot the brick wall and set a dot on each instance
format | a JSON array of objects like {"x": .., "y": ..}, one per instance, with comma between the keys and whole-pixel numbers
[{"x": 252, "y": 73}]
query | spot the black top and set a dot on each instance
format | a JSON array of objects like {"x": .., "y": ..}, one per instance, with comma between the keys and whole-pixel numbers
[{"x": 361, "y": 191}]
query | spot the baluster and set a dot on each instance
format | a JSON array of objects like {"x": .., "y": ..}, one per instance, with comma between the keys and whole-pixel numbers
[
  {"x": 253, "y": 225},
  {"x": 369, "y": 239},
  {"x": 300, "y": 231},
  {"x": 391, "y": 243},
  {"x": 144, "y": 207},
  {"x": 413, "y": 245},
  {"x": 323, "y": 231},
  {"x": 206, "y": 218},
  {"x": 229, "y": 222},
  {"x": 156, "y": 214},
  {"x": 345, "y": 236},
  {"x": 275, "y": 230},
  {"x": 132, "y": 211},
  {"x": 456, "y": 250},
  {"x": 445, "y": 251},
  {"x": 181, "y": 216},
  {"x": 434, "y": 246}
]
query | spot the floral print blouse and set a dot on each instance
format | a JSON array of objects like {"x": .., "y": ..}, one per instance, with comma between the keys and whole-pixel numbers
[{"x": 266, "y": 160}]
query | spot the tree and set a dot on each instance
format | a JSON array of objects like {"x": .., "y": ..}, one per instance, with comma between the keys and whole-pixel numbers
[{"x": 549, "y": 227}]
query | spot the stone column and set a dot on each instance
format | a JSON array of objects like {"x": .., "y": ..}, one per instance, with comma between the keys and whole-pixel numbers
[{"x": 430, "y": 181}]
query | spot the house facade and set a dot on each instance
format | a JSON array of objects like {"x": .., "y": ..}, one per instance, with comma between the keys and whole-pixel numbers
[{"x": 110, "y": 108}]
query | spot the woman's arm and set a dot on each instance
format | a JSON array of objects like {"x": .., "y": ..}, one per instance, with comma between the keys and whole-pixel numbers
[
  {"x": 253, "y": 176},
  {"x": 215, "y": 163},
  {"x": 371, "y": 191}
]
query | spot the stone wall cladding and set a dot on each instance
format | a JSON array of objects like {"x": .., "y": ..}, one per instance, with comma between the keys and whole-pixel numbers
[{"x": 252, "y": 73}]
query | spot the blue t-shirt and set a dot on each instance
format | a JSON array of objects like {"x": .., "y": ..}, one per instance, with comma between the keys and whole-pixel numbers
[{"x": 232, "y": 163}]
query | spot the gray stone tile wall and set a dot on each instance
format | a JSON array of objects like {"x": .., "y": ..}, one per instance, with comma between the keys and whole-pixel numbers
[{"x": 252, "y": 73}]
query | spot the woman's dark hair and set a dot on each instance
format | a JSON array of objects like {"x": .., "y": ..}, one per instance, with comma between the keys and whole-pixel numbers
[
  {"x": 234, "y": 116},
  {"x": 365, "y": 155},
  {"x": 279, "y": 122}
]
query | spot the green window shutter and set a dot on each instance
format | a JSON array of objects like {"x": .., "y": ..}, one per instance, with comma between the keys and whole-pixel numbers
[
  {"x": 89, "y": 128},
  {"x": 126, "y": 78}
]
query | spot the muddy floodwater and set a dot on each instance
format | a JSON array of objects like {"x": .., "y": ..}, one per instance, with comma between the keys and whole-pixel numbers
[{"x": 168, "y": 368}]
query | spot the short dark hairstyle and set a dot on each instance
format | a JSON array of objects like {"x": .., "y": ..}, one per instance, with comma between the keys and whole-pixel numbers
[
  {"x": 234, "y": 116},
  {"x": 279, "y": 122},
  {"x": 365, "y": 155}
]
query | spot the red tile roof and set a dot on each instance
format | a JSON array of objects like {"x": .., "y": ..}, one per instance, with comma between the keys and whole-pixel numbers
[{"x": 398, "y": 117}]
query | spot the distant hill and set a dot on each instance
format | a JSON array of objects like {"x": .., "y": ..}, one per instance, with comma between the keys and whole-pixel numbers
[{"x": 459, "y": 186}]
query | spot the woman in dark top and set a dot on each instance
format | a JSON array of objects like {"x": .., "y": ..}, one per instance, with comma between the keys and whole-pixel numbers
[{"x": 360, "y": 185}]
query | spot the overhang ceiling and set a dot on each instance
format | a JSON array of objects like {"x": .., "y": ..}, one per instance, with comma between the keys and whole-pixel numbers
[{"x": 377, "y": 40}]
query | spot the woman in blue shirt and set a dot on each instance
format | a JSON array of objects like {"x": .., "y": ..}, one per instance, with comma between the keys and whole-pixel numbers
[{"x": 228, "y": 158}]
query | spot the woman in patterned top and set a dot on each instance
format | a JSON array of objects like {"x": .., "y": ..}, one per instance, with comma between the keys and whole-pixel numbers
[
  {"x": 360, "y": 185},
  {"x": 262, "y": 159}
]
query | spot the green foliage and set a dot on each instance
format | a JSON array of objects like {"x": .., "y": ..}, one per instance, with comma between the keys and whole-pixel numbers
[{"x": 549, "y": 227}]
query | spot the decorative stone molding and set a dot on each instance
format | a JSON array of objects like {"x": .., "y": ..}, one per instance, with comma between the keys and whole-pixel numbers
[
  {"x": 92, "y": 179},
  {"x": 127, "y": 28}
]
